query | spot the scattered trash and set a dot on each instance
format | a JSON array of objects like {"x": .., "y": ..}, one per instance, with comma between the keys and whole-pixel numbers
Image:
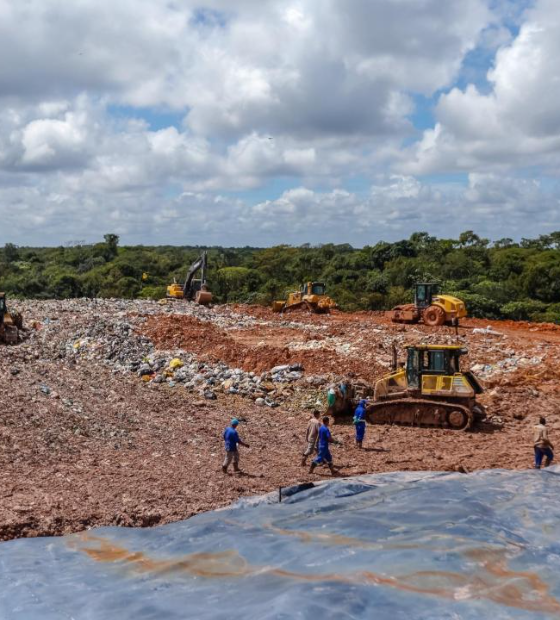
[{"x": 487, "y": 331}]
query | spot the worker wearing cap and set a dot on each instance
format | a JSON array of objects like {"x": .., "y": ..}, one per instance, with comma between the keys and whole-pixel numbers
[
  {"x": 231, "y": 439},
  {"x": 360, "y": 422}
]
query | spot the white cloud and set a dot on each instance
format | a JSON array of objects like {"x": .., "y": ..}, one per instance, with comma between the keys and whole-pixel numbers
[
  {"x": 394, "y": 208},
  {"x": 318, "y": 67},
  {"x": 318, "y": 92},
  {"x": 517, "y": 123}
]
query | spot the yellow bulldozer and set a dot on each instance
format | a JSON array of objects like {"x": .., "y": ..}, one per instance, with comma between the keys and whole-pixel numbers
[
  {"x": 430, "y": 307},
  {"x": 430, "y": 390},
  {"x": 310, "y": 297},
  {"x": 11, "y": 323},
  {"x": 193, "y": 289}
]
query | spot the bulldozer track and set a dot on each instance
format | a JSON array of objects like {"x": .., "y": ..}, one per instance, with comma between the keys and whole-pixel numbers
[{"x": 421, "y": 412}]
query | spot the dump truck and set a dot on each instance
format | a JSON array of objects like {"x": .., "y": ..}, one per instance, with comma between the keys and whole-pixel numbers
[
  {"x": 429, "y": 390},
  {"x": 311, "y": 297},
  {"x": 193, "y": 289},
  {"x": 11, "y": 323},
  {"x": 430, "y": 307}
]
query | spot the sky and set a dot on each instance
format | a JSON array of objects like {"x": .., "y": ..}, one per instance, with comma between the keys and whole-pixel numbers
[{"x": 263, "y": 122}]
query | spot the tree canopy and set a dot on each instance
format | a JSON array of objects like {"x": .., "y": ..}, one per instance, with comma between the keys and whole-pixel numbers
[{"x": 503, "y": 279}]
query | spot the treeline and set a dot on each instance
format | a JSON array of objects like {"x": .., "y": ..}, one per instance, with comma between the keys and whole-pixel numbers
[{"x": 500, "y": 279}]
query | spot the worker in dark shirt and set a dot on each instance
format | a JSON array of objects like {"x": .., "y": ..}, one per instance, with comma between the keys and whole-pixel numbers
[
  {"x": 231, "y": 439},
  {"x": 324, "y": 454}
]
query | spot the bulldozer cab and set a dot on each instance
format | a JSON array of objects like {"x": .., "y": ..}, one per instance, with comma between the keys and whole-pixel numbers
[
  {"x": 313, "y": 288},
  {"x": 432, "y": 360},
  {"x": 317, "y": 288},
  {"x": 424, "y": 293}
]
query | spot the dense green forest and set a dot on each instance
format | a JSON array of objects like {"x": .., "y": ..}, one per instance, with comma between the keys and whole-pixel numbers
[{"x": 500, "y": 279}]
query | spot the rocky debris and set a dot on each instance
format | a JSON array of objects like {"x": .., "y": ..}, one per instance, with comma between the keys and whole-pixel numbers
[
  {"x": 486, "y": 331},
  {"x": 180, "y": 368},
  {"x": 508, "y": 365},
  {"x": 115, "y": 340}
]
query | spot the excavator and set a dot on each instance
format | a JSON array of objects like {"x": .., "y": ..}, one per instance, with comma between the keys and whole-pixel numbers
[
  {"x": 11, "y": 323},
  {"x": 430, "y": 308},
  {"x": 193, "y": 289},
  {"x": 310, "y": 297},
  {"x": 430, "y": 390}
]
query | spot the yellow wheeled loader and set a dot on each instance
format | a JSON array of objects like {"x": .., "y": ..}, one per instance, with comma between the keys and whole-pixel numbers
[
  {"x": 430, "y": 308},
  {"x": 11, "y": 323},
  {"x": 430, "y": 390},
  {"x": 310, "y": 297}
]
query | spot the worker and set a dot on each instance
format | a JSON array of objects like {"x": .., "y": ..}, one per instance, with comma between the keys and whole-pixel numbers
[
  {"x": 312, "y": 435},
  {"x": 360, "y": 422},
  {"x": 324, "y": 454},
  {"x": 543, "y": 446},
  {"x": 331, "y": 396},
  {"x": 231, "y": 438}
]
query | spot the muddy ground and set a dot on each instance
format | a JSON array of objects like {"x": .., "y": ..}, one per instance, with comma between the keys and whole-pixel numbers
[{"x": 86, "y": 441}]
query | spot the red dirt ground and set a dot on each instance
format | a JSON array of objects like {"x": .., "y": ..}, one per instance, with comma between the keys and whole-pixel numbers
[{"x": 104, "y": 448}]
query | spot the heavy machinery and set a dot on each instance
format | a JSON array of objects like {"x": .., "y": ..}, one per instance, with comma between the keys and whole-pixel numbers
[
  {"x": 430, "y": 307},
  {"x": 310, "y": 297},
  {"x": 430, "y": 390},
  {"x": 11, "y": 322},
  {"x": 193, "y": 289}
]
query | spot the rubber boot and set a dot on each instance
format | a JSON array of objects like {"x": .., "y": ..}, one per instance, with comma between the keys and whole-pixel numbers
[
  {"x": 304, "y": 461},
  {"x": 224, "y": 469},
  {"x": 312, "y": 468},
  {"x": 236, "y": 468},
  {"x": 359, "y": 444},
  {"x": 333, "y": 472}
]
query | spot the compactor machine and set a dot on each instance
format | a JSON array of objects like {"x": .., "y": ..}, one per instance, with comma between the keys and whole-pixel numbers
[
  {"x": 310, "y": 297},
  {"x": 11, "y": 323},
  {"x": 193, "y": 289},
  {"x": 429, "y": 390},
  {"x": 430, "y": 308}
]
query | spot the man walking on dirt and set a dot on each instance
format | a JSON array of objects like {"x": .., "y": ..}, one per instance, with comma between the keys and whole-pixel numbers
[
  {"x": 311, "y": 436},
  {"x": 360, "y": 422},
  {"x": 231, "y": 439},
  {"x": 543, "y": 446},
  {"x": 324, "y": 455}
]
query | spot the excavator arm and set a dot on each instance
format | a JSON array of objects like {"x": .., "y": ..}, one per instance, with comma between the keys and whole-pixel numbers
[{"x": 199, "y": 264}]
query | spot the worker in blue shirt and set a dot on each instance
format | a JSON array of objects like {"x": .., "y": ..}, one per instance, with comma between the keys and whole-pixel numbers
[
  {"x": 231, "y": 439},
  {"x": 324, "y": 454},
  {"x": 360, "y": 422}
]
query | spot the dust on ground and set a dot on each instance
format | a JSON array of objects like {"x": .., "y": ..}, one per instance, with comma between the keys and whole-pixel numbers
[{"x": 95, "y": 429}]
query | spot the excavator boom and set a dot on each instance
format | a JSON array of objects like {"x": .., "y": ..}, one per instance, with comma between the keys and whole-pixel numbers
[{"x": 193, "y": 289}]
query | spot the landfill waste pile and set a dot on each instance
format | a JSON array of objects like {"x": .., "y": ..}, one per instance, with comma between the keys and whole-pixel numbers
[
  {"x": 113, "y": 410},
  {"x": 427, "y": 546}
]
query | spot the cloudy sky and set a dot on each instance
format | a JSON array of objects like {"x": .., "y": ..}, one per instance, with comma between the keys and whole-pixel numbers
[{"x": 257, "y": 122}]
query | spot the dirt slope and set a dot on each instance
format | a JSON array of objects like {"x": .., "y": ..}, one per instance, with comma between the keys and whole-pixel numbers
[{"x": 85, "y": 441}]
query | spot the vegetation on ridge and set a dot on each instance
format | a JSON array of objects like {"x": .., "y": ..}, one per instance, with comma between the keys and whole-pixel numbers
[{"x": 503, "y": 279}]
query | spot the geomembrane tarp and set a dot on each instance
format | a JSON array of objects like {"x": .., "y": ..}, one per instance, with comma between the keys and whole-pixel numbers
[{"x": 396, "y": 546}]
